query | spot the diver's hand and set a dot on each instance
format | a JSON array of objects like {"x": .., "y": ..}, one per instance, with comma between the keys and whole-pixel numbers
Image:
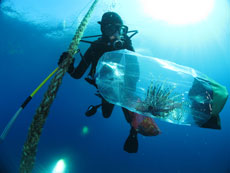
[{"x": 62, "y": 58}]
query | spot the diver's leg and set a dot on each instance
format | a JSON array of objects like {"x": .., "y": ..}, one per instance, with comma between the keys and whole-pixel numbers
[
  {"x": 107, "y": 108},
  {"x": 127, "y": 114},
  {"x": 131, "y": 143}
]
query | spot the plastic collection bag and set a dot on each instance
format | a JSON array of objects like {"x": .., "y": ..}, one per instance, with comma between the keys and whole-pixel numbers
[{"x": 159, "y": 88}]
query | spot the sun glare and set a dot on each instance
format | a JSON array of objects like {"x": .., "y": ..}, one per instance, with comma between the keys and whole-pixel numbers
[
  {"x": 60, "y": 167},
  {"x": 178, "y": 12}
]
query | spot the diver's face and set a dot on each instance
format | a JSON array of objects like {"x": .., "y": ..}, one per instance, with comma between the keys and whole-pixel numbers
[
  {"x": 112, "y": 31},
  {"x": 115, "y": 36}
]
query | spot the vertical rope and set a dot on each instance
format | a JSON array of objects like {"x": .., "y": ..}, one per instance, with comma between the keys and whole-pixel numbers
[{"x": 35, "y": 130}]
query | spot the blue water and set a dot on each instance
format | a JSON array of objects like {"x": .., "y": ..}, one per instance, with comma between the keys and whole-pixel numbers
[{"x": 28, "y": 55}]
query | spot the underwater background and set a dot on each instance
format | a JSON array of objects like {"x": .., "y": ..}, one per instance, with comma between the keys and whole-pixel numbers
[{"x": 33, "y": 35}]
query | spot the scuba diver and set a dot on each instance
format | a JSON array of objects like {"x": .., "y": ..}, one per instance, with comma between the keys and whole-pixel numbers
[{"x": 114, "y": 37}]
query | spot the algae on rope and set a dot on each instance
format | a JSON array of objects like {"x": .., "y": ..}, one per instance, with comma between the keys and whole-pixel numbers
[{"x": 35, "y": 130}]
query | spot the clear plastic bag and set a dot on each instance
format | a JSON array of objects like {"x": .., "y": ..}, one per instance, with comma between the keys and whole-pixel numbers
[{"x": 156, "y": 88}]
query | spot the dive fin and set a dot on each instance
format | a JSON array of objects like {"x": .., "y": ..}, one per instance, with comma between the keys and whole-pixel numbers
[
  {"x": 92, "y": 110},
  {"x": 131, "y": 143}
]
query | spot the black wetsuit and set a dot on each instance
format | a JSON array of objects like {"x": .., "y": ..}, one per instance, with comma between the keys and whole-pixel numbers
[{"x": 91, "y": 57}]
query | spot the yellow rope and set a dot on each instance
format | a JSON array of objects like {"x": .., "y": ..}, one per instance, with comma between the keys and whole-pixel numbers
[{"x": 35, "y": 130}]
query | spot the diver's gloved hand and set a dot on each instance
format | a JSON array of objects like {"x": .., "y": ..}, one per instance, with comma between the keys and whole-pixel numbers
[
  {"x": 62, "y": 58},
  {"x": 91, "y": 80}
]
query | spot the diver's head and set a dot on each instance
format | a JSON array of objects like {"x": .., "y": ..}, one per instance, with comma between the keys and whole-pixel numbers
[
  {"x": 112, "y": 28},
  {"x": 109, "y": 19}
]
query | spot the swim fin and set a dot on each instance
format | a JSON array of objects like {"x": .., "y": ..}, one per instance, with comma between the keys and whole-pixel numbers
[
  {"x": 131, "y": 143},
  {"x": 92, "y": 110}
]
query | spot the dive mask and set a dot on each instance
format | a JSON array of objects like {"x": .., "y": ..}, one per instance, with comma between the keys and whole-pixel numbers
[
  {"x": 116, "y": 30},
  {"x": 110, "y": 29}
]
